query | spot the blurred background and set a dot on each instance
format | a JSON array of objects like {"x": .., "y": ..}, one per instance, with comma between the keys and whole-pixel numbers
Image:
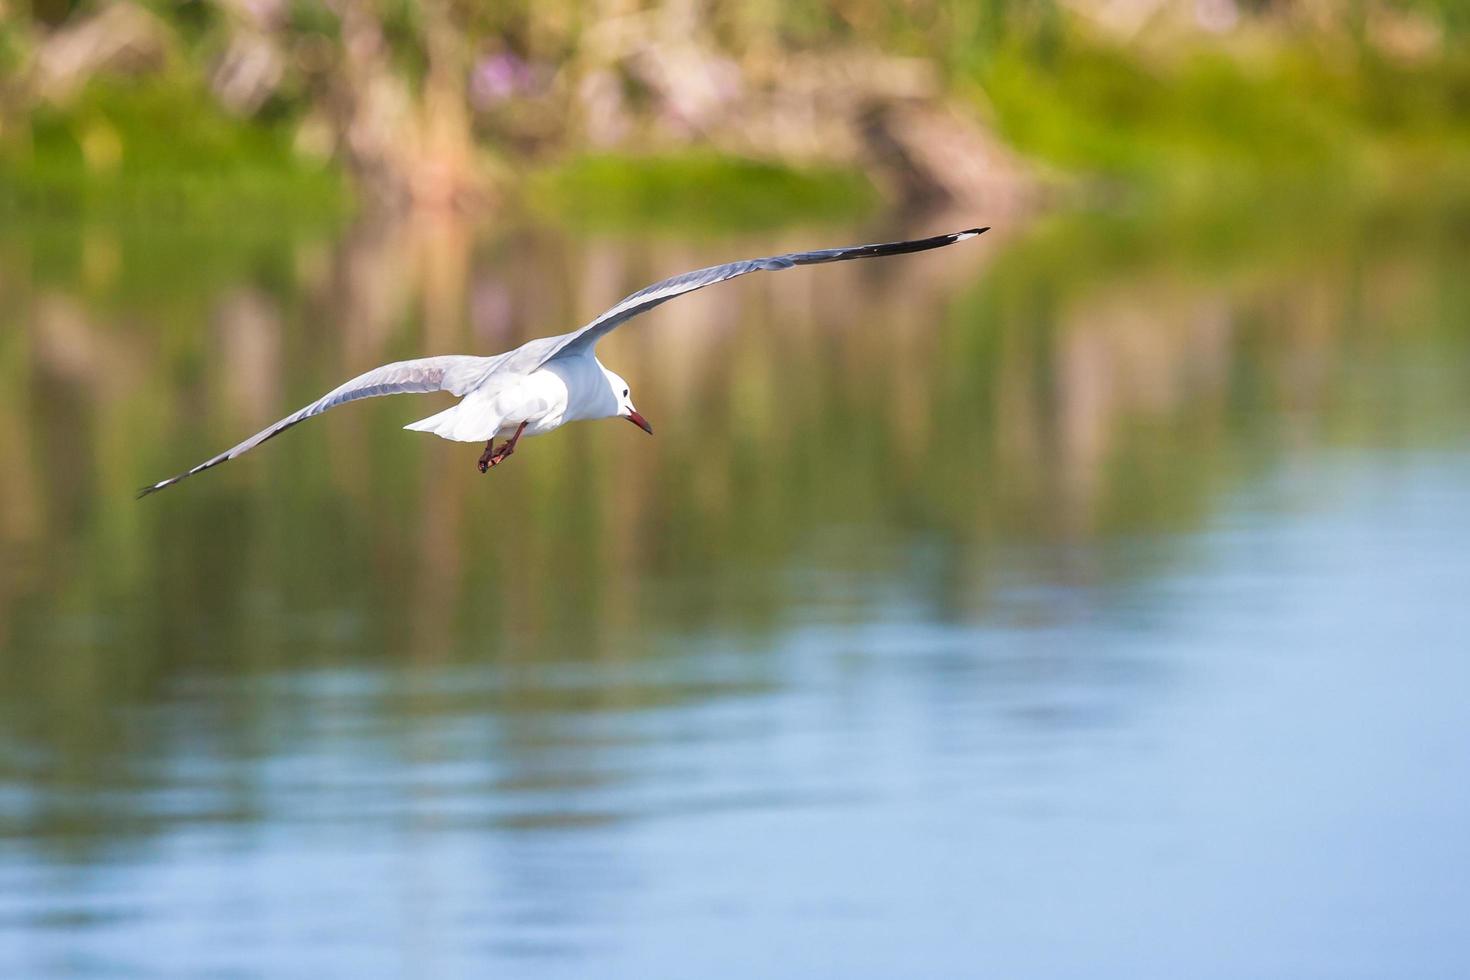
[{"x": 1088, "y": 599}]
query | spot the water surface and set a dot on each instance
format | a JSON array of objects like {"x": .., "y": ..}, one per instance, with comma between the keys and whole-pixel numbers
[{"x": 1076, "y": 604}]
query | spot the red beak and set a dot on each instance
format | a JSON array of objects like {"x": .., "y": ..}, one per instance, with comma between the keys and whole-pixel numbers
[{"x": 639, "y": 421}]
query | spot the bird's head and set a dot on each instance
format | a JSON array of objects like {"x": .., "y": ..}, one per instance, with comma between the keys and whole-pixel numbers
[{"x": 625, "y": 402}]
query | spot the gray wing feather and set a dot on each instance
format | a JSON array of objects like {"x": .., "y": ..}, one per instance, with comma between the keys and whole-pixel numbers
[
  {"x": 661, "y": 292},
  {"x": 454, "y": 373}
]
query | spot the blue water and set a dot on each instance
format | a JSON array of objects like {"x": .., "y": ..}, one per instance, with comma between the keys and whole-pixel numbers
[
  {"x": 1070, "y": 611},
  {"x": 1251, "y": 765}
]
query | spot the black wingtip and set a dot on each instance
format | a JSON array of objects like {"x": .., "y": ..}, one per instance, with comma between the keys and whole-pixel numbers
[{"x": 155, "y": 487}]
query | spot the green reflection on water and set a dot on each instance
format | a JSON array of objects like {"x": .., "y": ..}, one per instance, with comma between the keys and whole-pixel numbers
[{"x": 927, "y": 431}]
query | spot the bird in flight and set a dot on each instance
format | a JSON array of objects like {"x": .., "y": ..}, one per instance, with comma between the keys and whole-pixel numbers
[{"x": 545, "y": 383}]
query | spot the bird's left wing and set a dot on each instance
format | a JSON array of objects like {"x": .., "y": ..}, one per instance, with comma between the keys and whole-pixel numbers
[
  {"x": 661, "y": 292},
  {"x": 455, "y": 373}
]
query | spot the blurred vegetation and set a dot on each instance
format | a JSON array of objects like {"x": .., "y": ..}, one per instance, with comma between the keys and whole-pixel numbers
[
  {"x": 153, "y": 148},
  {"x": 612, "y": 191},
  {"x": 744, "y": 113},
  {"x": 1215, "y": 126}
]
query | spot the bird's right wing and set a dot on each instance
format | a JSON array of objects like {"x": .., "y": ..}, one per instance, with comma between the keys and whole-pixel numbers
[{"x": 454, "y": 373}]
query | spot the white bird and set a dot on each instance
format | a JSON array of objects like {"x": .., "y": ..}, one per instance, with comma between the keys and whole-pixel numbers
[{"x": 545, "y": 383}]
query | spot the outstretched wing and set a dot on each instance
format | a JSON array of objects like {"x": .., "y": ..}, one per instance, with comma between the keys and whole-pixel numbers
[
  {"x": 454, "y": 373},
  {"x": 661, "y": 292}
]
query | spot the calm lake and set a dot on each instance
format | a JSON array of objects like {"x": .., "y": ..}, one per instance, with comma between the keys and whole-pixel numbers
[{"x": 1086, "y": 600}]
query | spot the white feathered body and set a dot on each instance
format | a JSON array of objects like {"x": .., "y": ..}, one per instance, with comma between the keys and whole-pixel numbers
[{"x": 565, "y": 389}]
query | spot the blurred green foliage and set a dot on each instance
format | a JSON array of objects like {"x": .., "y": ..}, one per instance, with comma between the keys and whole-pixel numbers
[
  {"x": 733, "y": 193},
  {"x": 1216, "y": 126},
  {"x": 1363, "y": 101},
  {"x": 161, "y": 149}
]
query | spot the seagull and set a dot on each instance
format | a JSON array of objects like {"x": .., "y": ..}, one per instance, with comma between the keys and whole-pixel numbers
[{"x": 545, "y": 383}]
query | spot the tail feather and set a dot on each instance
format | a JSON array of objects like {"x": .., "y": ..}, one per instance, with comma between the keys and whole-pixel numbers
[
  {"x": 457, "y": 424},
  {"x": 434, "y": 423}
]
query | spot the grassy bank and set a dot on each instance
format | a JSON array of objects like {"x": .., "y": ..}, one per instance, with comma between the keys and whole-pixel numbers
[
  {"x": 698, "y": 189},
  {"x": 160, "y": 150},
  {"x": 1268, "y": 120},
  {"x": 1260, "y": 128}
]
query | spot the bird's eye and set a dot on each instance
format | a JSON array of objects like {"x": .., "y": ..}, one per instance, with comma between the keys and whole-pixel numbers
[{"x": 625, "y": 392}]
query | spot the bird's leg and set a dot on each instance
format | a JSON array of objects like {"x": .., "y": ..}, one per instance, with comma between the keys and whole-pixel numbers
[
  {"x": 510, "y": 444},
  {"x": 494, "y": 457}
]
